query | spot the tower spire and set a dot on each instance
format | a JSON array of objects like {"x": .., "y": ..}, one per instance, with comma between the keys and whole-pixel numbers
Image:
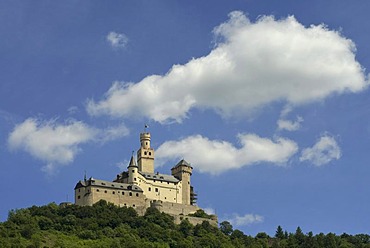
[{"x": 132, "y": 161}]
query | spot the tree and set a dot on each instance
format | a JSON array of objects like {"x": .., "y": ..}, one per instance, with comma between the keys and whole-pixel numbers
[
  {"x": 279, "y": 233},
  {"x": 299, "y": 236},
  {"x": 226, "y": 227}
]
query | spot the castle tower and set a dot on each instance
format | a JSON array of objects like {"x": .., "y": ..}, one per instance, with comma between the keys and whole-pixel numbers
[
  {"x": 183, "y": 171},
  {"x": 132, "y": 171},
  {"x": 145, "y": 155}
]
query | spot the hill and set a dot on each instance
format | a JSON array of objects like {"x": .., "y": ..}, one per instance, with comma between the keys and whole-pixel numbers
[{"x": 106, "y": 225}]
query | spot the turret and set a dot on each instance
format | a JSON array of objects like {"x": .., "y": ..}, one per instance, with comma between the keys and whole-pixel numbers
[
  {"x": 145, "y": 155},
  {"x": 183, "y": 171},
  {"x": 132, "y": 171}
]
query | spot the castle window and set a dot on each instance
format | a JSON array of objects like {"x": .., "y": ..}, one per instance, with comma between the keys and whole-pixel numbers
[
  {"x": 125, "y": 204},
  {"x": 105, "y": 191},
  {"x": 78, "y": 197},
  {"x": 133, "y": 205},
  {"x": 149, "y": 189},
  {"x": 165, "y": 198},
  {"x": 134, "y": 178},
  {"x": 156, "y": 189},
  {"x": 123, "y": 193},
  {"x": 150, "y": 153},
  {"x": 133, "y": 171},
  {"x": 97, "y": 190},
  {"x": 168, "y": 182},
  {"x": 102, "y": 183},
  {"x": 145, "y": 153},
  {"x": 79, "y": 190},
  {"x": 113, "y": 192},
  {"x": 137, "y": 194},
  {"x": 146, "y": 143},
  {"x": 130, "y": 194}
]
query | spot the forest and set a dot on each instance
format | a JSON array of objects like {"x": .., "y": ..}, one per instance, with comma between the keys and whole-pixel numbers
[{"x": 106, "y": 225}]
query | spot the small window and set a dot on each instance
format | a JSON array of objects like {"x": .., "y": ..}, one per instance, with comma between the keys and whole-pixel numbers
[
  {"x": 113, "y": 192},
  {"x": 79, "y": 190},
  {"x": 133, "y": 205},
  {"x": 149, "y": 189},
  {"x": 133, "y": 171},
  {"x": 134, "y": 178},
  {"x": 123, "y": 193},
  {"x": 137, "y": 194},
  {"x": 130, "y": 194},
  {"x": 145, "y": 153},
  {"x": 97, "y": 190},
  {"x": 150, "y": 153},
  {"x": 105, "y": 191},
  {"x": 156, "y": 189},
  {"x": 102, "y": 183},
  {"x": 168, "y": 182},
  {"x": 78, "y": 197},
  {"x": 165, "y": 198},
  {"x": 125, "y": 204},
  {"x": 112, "y": 185},
  {"x": 146, "y": 143}
]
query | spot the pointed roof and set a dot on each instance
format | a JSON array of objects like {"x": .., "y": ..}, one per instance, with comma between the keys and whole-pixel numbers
[
  {"x": 132, "y": 162},
  {"x": 182, "y": 162}
]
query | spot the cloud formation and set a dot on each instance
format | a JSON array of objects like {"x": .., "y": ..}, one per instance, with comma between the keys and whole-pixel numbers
[
  {"x": 57, "y": 144},
  {"x": 215, "y": 156},
  {"x": 245, "y": 220},
  {"x": 252, "y": 65},
  {"x": 288, "y": 125},
  {"x": 323, "y": 152},
  {"x": 117, "y": 40}
]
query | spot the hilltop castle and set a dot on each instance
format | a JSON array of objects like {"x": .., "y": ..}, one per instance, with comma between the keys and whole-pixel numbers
[{"x": 140, "y": 187}]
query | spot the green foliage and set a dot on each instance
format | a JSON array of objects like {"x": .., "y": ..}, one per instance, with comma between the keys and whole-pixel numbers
[
  {"x": 226, "y": 227},
  {"x": 200, "y": 213},
  {"x": 106, "y": 225}
]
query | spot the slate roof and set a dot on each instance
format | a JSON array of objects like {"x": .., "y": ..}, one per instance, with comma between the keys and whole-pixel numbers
[
  {"x": 107, "y": 184},
  {"x": 159, "y": 177},
  {"x": 183, "y": 162}
]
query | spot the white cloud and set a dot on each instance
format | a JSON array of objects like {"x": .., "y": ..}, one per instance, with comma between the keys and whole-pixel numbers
[
  {"x": 254, "y": 64},
  {"x": 325, "y": 150},
  {"x": 112, "y": 133},
  {"x": 73, "y": 110},
  {"x": 56, "y": 144},
  {"x": 209, "y": 210},
  {"x": 117, "y": 40},
  {"x": 215, "y": 156},
  {"x": 290, "y": 125},
  {"x": 246, "y": 219}
]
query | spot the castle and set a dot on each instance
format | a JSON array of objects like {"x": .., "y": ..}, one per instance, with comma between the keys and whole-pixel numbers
[{"x": 140, "y": 187}]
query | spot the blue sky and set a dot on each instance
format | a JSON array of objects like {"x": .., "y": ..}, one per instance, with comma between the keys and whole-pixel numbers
[{"x": 268, "y": 100}]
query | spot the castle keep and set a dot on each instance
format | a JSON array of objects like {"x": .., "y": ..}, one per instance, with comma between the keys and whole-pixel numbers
[{"x": 140, "y": 187}]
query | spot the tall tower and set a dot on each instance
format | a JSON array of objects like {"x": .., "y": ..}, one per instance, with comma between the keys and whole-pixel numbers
[
  {"x": 145, "y": 155},
  {"x": 183, "y": 171},
  {"x": 132, "y": 171}
]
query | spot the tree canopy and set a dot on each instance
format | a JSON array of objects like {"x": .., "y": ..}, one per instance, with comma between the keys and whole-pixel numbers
[{"x": 106, "y": 225}]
